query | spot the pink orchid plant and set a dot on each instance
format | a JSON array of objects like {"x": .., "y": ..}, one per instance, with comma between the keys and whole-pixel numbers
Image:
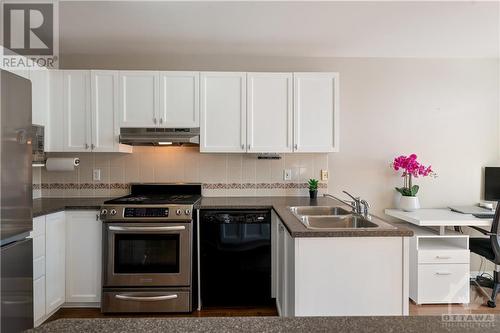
[{"x": 411, "y": 168}]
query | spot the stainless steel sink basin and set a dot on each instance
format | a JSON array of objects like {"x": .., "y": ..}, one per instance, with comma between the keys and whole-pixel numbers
[
  {"x": 318, "y": 210},
  {"x": 336, "y": 222}
]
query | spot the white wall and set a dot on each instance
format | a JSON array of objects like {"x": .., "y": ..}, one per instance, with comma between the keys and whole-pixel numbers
[{"x": 444, "y": 110}]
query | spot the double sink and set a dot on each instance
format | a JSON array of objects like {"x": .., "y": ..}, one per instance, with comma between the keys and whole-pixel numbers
[{"x": 330, "y": 217}]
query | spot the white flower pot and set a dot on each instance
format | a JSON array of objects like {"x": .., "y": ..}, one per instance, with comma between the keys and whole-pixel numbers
[{"x": 409, "y": 204}]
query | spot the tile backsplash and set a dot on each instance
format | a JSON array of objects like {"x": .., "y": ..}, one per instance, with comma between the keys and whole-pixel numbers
[
  {"x": 220, "y": 174},
  {"x": 37, "y": 182}
]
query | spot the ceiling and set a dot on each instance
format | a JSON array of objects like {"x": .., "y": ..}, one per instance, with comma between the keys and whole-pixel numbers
[{"x": 297, "y": 29}]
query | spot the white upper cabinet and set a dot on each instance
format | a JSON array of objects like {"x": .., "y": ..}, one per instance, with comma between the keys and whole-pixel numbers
[
  {"x": 223, "y": 112},
  {"x": 104, "y": 99},
  {"x": 39, "y": 96},
  {"x": 269, "y": 112},
  {"x": 179, "y": 99},
  {"x": 83, "y": 106},
  {"x": 316, "y": 112},
  {"x": 76, "y": 106},
  {"x": 139, "y": 99},
  {"x": 54, "y": 136}
]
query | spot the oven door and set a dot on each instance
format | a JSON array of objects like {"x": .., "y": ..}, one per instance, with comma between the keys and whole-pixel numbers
[{"x": 147, "y": 254}]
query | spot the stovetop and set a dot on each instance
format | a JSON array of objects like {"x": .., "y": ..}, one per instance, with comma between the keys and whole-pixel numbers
[
  {"x": 155, "y": 199},
  {"x": 160, "y": 202}
]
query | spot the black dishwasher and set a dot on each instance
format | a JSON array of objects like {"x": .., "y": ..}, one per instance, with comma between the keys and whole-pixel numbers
[{"x": 235, "y": 257}]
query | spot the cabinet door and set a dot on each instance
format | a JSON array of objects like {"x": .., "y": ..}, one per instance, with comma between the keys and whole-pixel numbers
[
  {"x": 76, "y": 108},
  {"x": 223, "y": 112},
  {"x": 269, "y": 112},
  {"x": 83, "y": 256},
  {"x": 138, "y": 99},
  {"x": 316, "y": 112},
  {"x": 55, "y": 261},
  {"x": 104, "y": 100},
  {"x": 54, "y": 134},
  {"x": 39, "y": 96},
  {"x": 179, "y": 99},
  {"x": 282, "y": 281},
  {"x": 274, "y": 254},
  {"x": 38, "y": 300},
  {"x": 38, "y": 235}
]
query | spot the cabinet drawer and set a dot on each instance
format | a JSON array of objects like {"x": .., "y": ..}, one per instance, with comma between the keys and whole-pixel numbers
[
  {"x": 130, "y": 301},
  {"x": 443, "y": 257},
  {"x": 38, "y": 246},
  {"x": 38, "y": 267},
  {"x": 446, "y": 283}
]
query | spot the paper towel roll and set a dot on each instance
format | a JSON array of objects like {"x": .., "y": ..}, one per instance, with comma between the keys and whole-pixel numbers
[{"x": 62, "y": 163}]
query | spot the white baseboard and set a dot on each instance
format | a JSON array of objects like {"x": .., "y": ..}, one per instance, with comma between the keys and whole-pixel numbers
[{"x": 81, "y": 305}]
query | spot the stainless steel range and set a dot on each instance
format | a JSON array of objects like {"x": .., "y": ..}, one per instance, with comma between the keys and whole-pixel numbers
[{"x": 148, "y": 249}]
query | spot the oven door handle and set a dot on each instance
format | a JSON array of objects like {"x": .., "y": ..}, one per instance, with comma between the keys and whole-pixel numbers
[
  {"x": 146, "y": 298},
  {"x": 171, "y": 228}
]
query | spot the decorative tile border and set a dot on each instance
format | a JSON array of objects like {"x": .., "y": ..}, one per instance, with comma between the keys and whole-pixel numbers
[
  {"x": 231, "y": 186},
  {"x": 205, "y": 186}
]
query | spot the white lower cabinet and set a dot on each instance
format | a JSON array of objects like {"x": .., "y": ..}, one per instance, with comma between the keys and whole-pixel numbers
[
  {"x": 83, "y": 257},
  {"x": 39, "y": 301},
  {"x": 338, "y": 276},
  {"x": 439, "y": 268},
  {"x": 66, "y": 262},
  {"x": 55, "y": 246},
  {"x": 283, "y": 267},
  {"x": 38, "y": 236}
]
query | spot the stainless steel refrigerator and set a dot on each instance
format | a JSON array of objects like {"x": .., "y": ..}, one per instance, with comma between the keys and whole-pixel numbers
[{"x": 16, "y": 222}]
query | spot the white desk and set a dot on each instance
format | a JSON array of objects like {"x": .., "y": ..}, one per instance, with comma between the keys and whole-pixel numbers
[
  {"x": 439, "y": 217},
  {"x": 439, "y": 262}
]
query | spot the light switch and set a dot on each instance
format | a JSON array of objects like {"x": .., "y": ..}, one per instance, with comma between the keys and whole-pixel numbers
[
  {"x": 287, "y": 174},
  {"x": 97, "y": 174},
  {"x": 324, "y": 174}
]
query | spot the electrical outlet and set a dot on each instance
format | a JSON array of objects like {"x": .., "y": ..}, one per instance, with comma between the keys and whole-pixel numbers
[
  {"x": 287, "y": 174},
  {"x": 324, "y": 174},
  {"x": 97, "y": 174}
]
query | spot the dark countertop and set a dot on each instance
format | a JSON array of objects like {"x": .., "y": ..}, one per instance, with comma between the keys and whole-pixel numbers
[
  {"x": 294, "y": 226},
  {"x": 46, "y": 206},
  {"x": 280, "y": 205},
  {"x": 417, "y": 324}
]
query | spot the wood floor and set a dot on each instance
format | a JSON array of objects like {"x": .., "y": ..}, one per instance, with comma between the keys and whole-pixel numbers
[
  {"x": 477, "y": 305},
  {"x": 208, "y": 312}
]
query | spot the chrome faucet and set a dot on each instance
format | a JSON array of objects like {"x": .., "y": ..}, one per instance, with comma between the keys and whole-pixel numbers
[{"x": 358, "y": 205}]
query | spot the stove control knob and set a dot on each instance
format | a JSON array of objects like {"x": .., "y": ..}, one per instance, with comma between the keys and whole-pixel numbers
[
  {"x": 178, "y": 212},
  {"x": 112, "y": 212},
  {"x": 187, "y": 211},
  {"x": 104, "y": 212}
]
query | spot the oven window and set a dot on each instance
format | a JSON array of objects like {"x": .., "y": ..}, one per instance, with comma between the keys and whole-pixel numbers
[{"x": 146, "y": 253}]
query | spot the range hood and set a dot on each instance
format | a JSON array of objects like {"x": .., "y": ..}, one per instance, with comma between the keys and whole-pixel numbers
[{"x": 160, "y": 136}]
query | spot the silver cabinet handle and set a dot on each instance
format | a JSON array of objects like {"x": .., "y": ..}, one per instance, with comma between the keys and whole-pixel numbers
[
  {"x": 443, "y": 257},
  {"x": 154, "y": 120},
  {"x": 146, "y": 298},
  {"x": 296, "y": 146},
  {"x": 248, "y": 147},
  {"x": 86, "y": 146},
  {"x": 443, "y": 273},
  {"x": 161, "y": 120},
  {"x": 92, "y": 146},
  {"x": 173, "y": 228},
  {"x": 242, "y": 147}
]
